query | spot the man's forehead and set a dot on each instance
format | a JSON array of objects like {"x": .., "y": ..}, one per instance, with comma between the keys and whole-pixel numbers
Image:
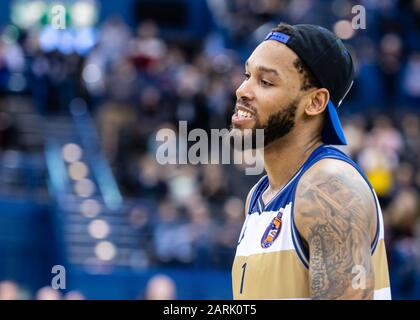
[{"x": 273, "y": 54}]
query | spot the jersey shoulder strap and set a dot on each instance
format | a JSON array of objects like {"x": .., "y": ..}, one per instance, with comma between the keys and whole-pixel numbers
[{"x": 255, "y": 193}]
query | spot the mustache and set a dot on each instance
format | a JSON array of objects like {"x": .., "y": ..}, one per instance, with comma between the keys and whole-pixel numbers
[{"x": 246, "y": 105}]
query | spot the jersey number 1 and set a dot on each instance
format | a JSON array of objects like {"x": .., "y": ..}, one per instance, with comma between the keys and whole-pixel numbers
[{"x": 243, "y": 277}]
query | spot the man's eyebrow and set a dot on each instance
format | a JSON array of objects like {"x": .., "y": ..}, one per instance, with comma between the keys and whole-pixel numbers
[
  {"x": 265, "y": 69},
  {"x": 268, "y": 70}
]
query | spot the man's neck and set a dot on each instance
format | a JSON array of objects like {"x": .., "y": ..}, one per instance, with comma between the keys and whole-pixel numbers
[{"x": 283, "y": 157}]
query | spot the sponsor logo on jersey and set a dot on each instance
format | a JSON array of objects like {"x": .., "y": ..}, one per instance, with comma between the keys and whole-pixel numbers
[{"x": 272, "y": 231}]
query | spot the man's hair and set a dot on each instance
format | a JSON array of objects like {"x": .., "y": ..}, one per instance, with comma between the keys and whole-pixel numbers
[{"x": 308, "y": 79}]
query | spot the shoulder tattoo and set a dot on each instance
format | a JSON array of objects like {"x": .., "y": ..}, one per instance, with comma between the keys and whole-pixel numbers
[{"x": 335, "y": 211}]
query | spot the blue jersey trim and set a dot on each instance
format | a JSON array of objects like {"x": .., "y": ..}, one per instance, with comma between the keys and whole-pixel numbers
[
  {"x": 297, "y": 243},
  {"x": 376, "y": 240},
  {"x": 255, "y": 194}
]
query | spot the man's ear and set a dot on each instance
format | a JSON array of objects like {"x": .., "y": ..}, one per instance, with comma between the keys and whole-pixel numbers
[{"x": 318, "y": 100}]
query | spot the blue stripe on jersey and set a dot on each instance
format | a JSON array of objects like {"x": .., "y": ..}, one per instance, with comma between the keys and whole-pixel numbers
[
  {"x": 375, "y": 241},
  {"x": 256, "y": 194},
  {"x": 297, "y": 243}
]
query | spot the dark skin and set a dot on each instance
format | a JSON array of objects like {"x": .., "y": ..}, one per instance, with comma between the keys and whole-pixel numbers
[{"x": 334, "y": 209}]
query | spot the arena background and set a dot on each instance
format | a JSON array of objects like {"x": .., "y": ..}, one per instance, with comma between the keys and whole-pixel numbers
[{"x": 80, "y": 107}]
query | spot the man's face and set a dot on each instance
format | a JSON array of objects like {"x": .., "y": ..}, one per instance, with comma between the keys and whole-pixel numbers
[{"x": 268, "y": 98}]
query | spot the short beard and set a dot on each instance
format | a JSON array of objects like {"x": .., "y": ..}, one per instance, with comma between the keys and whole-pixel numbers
[{"x": 278, "y": 125}]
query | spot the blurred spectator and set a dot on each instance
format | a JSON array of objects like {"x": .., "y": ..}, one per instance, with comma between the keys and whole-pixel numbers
[
  {"x": 74, "y": 295},
  {"x": 171, "y": 237},
  {"x": 403, "y": 213},
  {"x": 411, "y": 78},
  {"x": 9, "y": 290},
  {"x": 160, "y": 287},
  {"x": 227, "y": 234},
  {"x": 147, "y": 49},
  {"x": 48, "y": 293},
  {"x": 113, "y": 39},
  {"x": 201, "y": 228},
  {"x": 213, "y": 185}
]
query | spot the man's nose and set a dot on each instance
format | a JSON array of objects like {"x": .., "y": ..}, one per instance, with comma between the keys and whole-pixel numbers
[{"x": 245, "y": 91}]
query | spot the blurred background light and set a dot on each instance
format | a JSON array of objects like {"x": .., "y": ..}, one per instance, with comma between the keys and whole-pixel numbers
[
  {"x": 84, "y": 188},
  {"x": 98, "y": 229},
  {"x": 84, "y": 13},
  {"x": 71, "y": 152},
  {"x": 90, "y": 208},
  {"x": 78, "y": 170},
  {"x": 26, "y": 14},
  {"x": 105, "y": 250},
  {"x": 92, "y": 73},
  {"x": 343, "y": 29}
]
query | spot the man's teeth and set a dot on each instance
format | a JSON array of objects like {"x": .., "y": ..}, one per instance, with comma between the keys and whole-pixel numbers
[{"x": 244, "y": 114}]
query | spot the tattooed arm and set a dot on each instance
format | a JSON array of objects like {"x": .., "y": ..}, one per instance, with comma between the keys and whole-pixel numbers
[{"x": 335, "y": 215}]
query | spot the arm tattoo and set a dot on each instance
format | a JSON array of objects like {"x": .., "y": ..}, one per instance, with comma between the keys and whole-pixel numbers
[{"x": 336, "y": 217}]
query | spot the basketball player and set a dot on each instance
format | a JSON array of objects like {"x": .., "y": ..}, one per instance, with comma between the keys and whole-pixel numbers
[{"x": 313, "y": 227}]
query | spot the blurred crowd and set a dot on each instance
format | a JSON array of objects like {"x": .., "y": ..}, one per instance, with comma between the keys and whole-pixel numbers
[
  {"x": 11, "y": 290},
  {"x": 137, "y": 81},
  {"x": 158, "y": 287}
]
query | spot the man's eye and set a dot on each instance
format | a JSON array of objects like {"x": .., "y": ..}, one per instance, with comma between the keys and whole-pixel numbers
[
  {"x": 246, "y": 75},
  {"x": 266, "y": 83}
]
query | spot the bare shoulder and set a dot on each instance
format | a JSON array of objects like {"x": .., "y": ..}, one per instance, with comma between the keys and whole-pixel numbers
[
  {"x": 335, "y": 213},
  {"x": 338, "y": 184}
]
